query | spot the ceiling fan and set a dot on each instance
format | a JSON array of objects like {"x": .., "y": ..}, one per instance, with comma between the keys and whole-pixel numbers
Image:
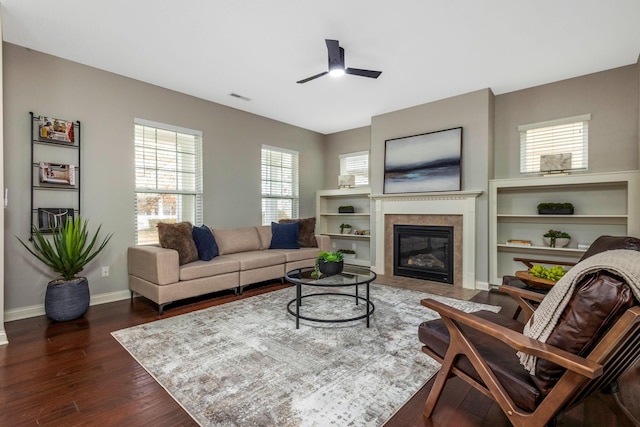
[{"x": 336, "y": 64}]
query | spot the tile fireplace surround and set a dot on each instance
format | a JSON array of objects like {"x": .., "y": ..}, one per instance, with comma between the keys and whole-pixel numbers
[{"x": 455, "y": 208}]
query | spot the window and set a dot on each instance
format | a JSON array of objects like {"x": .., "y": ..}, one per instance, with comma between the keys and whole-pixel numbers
[
  {"x": 168, "y": 163},
  {"x": 279, "y": 184},
  {"x": 569, "y": 135},
  {"x": 356, "y": 164}
]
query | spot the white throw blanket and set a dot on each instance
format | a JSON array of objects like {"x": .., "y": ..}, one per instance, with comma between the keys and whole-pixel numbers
[{"x": 622, "y": 262}]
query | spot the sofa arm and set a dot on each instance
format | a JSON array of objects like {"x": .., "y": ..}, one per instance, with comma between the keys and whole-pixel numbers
[
  {"x": 153, "y": 264},
  {"x": 324, "y": 242}
]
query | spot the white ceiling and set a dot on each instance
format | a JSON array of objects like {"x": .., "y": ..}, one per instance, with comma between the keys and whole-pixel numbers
[{"x": 426, "y": 49}]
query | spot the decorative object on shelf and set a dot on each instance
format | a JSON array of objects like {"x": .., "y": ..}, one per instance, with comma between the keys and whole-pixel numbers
[
  {"x": 67, "y": 298},
  {"x": 57, "y": 173},
  {"x": 347, "y": 253},
  {"x": 56, "y": 130},
  {"x": 346, "y": 181},
  {"x": 555, "y": 208},
  {"x": 556, "y": 238},
  {"x": 344, "y": 227},
  {"x": 555, "y": 164},
  {"x": 518, "y": 242},
  {"x": 53, "y": 218},
  {"x": 361, "y": 232},
  {"x": 329, "y": 264},
  {"x": 346, "y": 209},
  {"x": 423, "y": 163}
]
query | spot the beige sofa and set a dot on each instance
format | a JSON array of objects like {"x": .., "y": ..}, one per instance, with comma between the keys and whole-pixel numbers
[{"x": 245, "y": 258}]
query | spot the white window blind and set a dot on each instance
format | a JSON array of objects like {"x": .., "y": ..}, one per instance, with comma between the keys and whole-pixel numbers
[
  {"x": 356, "y": 164},
  {"x": 279, "y": 184},
  {"x": 168, "y": 167},
  {"x": 568, "y": 135}
]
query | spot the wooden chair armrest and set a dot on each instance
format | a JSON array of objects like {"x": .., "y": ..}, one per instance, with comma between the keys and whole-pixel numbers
[
  {"x": 518, "y": 341},
  {"x": 523, "y": 293}
]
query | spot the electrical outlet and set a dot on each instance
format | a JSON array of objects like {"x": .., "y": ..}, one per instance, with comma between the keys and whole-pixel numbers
[
  {"x": 105, "y": 271},
  {"x": 333, "y": 245},
  {"x": 353, "y": 246}
]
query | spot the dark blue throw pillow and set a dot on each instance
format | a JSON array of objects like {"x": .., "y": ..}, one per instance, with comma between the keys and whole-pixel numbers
[
  {"x": 205, "y": 242},
  {"x": 285, "y": 236}
]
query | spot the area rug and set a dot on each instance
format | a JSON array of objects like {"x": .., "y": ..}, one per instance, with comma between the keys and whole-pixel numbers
[{"x": 245, "y": 364}]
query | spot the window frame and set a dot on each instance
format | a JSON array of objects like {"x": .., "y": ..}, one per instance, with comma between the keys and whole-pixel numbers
[
  {"x": 343, "y": 159},
  {"x": 266, "y": 216},
  {"x": 530, "y": 155},
  {"x": 197, "y": 189}
]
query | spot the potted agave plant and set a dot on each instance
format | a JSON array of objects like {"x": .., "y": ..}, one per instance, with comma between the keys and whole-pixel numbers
[{"x": 67, "y": 253}]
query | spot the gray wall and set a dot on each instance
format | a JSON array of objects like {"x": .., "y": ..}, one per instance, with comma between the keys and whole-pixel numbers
[
  {"x": 106, "y": 105},
  {"x": 610, "y": 96},
  {"x": 338, "y": 143},
  {"x": 472, "y": 111}
]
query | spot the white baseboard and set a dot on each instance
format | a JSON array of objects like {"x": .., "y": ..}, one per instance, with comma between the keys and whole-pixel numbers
[
  {"x": 3, "y": 338},
  {"x": 482, "y": 286},
  {"x": 38, "y": 310}
]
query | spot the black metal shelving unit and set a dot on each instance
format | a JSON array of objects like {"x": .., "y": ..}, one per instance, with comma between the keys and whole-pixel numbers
[{"x": 45, "y": 144}]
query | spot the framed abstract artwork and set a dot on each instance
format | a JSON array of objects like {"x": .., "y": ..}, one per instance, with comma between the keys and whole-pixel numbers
[{"x": 423, "y": 163}]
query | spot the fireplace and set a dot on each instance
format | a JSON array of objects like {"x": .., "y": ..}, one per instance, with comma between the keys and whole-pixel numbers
[{"x": 423, "y": 252}]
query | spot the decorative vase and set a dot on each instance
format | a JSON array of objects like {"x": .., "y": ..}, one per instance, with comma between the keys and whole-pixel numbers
[
  {"x": 559, "y": 242},
  {"x": 560, "y": 211},
  {"x": 67, "y": 299},
  {"x": 330, "y": 268}
]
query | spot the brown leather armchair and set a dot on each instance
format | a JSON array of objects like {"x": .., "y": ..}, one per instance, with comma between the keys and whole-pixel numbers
[{"x": 596, "y": 340}]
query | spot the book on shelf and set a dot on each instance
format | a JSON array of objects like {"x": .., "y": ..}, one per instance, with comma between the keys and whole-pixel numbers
[
  {"x": 519, "y": 242},
  {"x": 57, "y": 173}
]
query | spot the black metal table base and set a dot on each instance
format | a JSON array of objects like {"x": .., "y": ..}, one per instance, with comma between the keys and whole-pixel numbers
[{"x": 370, "y": 308}]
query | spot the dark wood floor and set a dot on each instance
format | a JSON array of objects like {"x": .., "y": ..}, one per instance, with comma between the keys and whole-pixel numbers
[{"x": 75, "y": 373}]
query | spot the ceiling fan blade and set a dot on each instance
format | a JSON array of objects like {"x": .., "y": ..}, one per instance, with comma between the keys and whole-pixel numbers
[
  {"x": 363, "y": 73},
  {"x": 336, "y": 54},
  {"x": 312, "y": 77}
]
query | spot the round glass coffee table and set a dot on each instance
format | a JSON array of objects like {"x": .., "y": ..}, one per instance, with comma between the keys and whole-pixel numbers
[{"x": 351, "y": 276}]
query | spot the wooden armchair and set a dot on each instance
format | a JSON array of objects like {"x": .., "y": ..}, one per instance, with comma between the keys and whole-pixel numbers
[{"x": 595, "y": 341}]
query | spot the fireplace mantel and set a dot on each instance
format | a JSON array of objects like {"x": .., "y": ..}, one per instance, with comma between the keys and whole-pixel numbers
[{"x": 441, "y": 203}]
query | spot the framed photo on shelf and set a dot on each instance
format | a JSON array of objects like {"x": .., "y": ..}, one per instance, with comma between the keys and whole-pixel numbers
[
  {"x": 54, "y": 218},
  {"x": 423, "y": 163},
  {"x": 56, "y": 130}
]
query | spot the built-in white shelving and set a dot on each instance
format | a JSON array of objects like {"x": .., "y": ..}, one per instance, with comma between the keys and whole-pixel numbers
[
  {"x": 328, "y": 221},
  {"x": 604, "y": 203}
]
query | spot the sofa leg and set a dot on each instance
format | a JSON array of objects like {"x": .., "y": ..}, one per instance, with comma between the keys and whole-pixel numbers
[
  {"x": 240, "y": 290},
  {"x": 161, "y": 308}
]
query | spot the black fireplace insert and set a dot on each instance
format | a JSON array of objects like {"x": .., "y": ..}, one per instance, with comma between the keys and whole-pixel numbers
[{"x": 423, "y": 252}]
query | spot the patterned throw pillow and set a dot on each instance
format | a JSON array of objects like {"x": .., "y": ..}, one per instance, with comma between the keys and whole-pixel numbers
[{"x": 178, "y": 237}]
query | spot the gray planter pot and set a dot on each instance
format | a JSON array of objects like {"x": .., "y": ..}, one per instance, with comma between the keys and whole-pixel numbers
[
  {"x": 330, "y": 268},
  {"x": 67, "y": 300}
]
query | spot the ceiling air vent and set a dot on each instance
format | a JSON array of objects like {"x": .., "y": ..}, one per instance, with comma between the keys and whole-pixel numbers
[{"x": 244, "y": 98}]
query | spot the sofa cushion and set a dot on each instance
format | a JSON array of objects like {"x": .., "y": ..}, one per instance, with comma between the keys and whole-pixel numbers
[
  {"x": 596, "y": 304},
  {"x": 284, "y": 236},
  {"x": 178, "y": 237},
  {"x": 233, "y": 240},
  {"x": 205, "y": 243},
  {"x": 292, "y": 255},
  {"x": 306, "y": 235},
  {"x": 264, "y": 232},
  {"x": 257, "y": 259},
  {"x": 219, "y": 265}
]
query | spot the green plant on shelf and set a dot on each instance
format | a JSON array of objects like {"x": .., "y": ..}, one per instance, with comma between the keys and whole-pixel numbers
[
  {"x": 553, "y": 235},
  {"x": 343, "y": 227}
]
